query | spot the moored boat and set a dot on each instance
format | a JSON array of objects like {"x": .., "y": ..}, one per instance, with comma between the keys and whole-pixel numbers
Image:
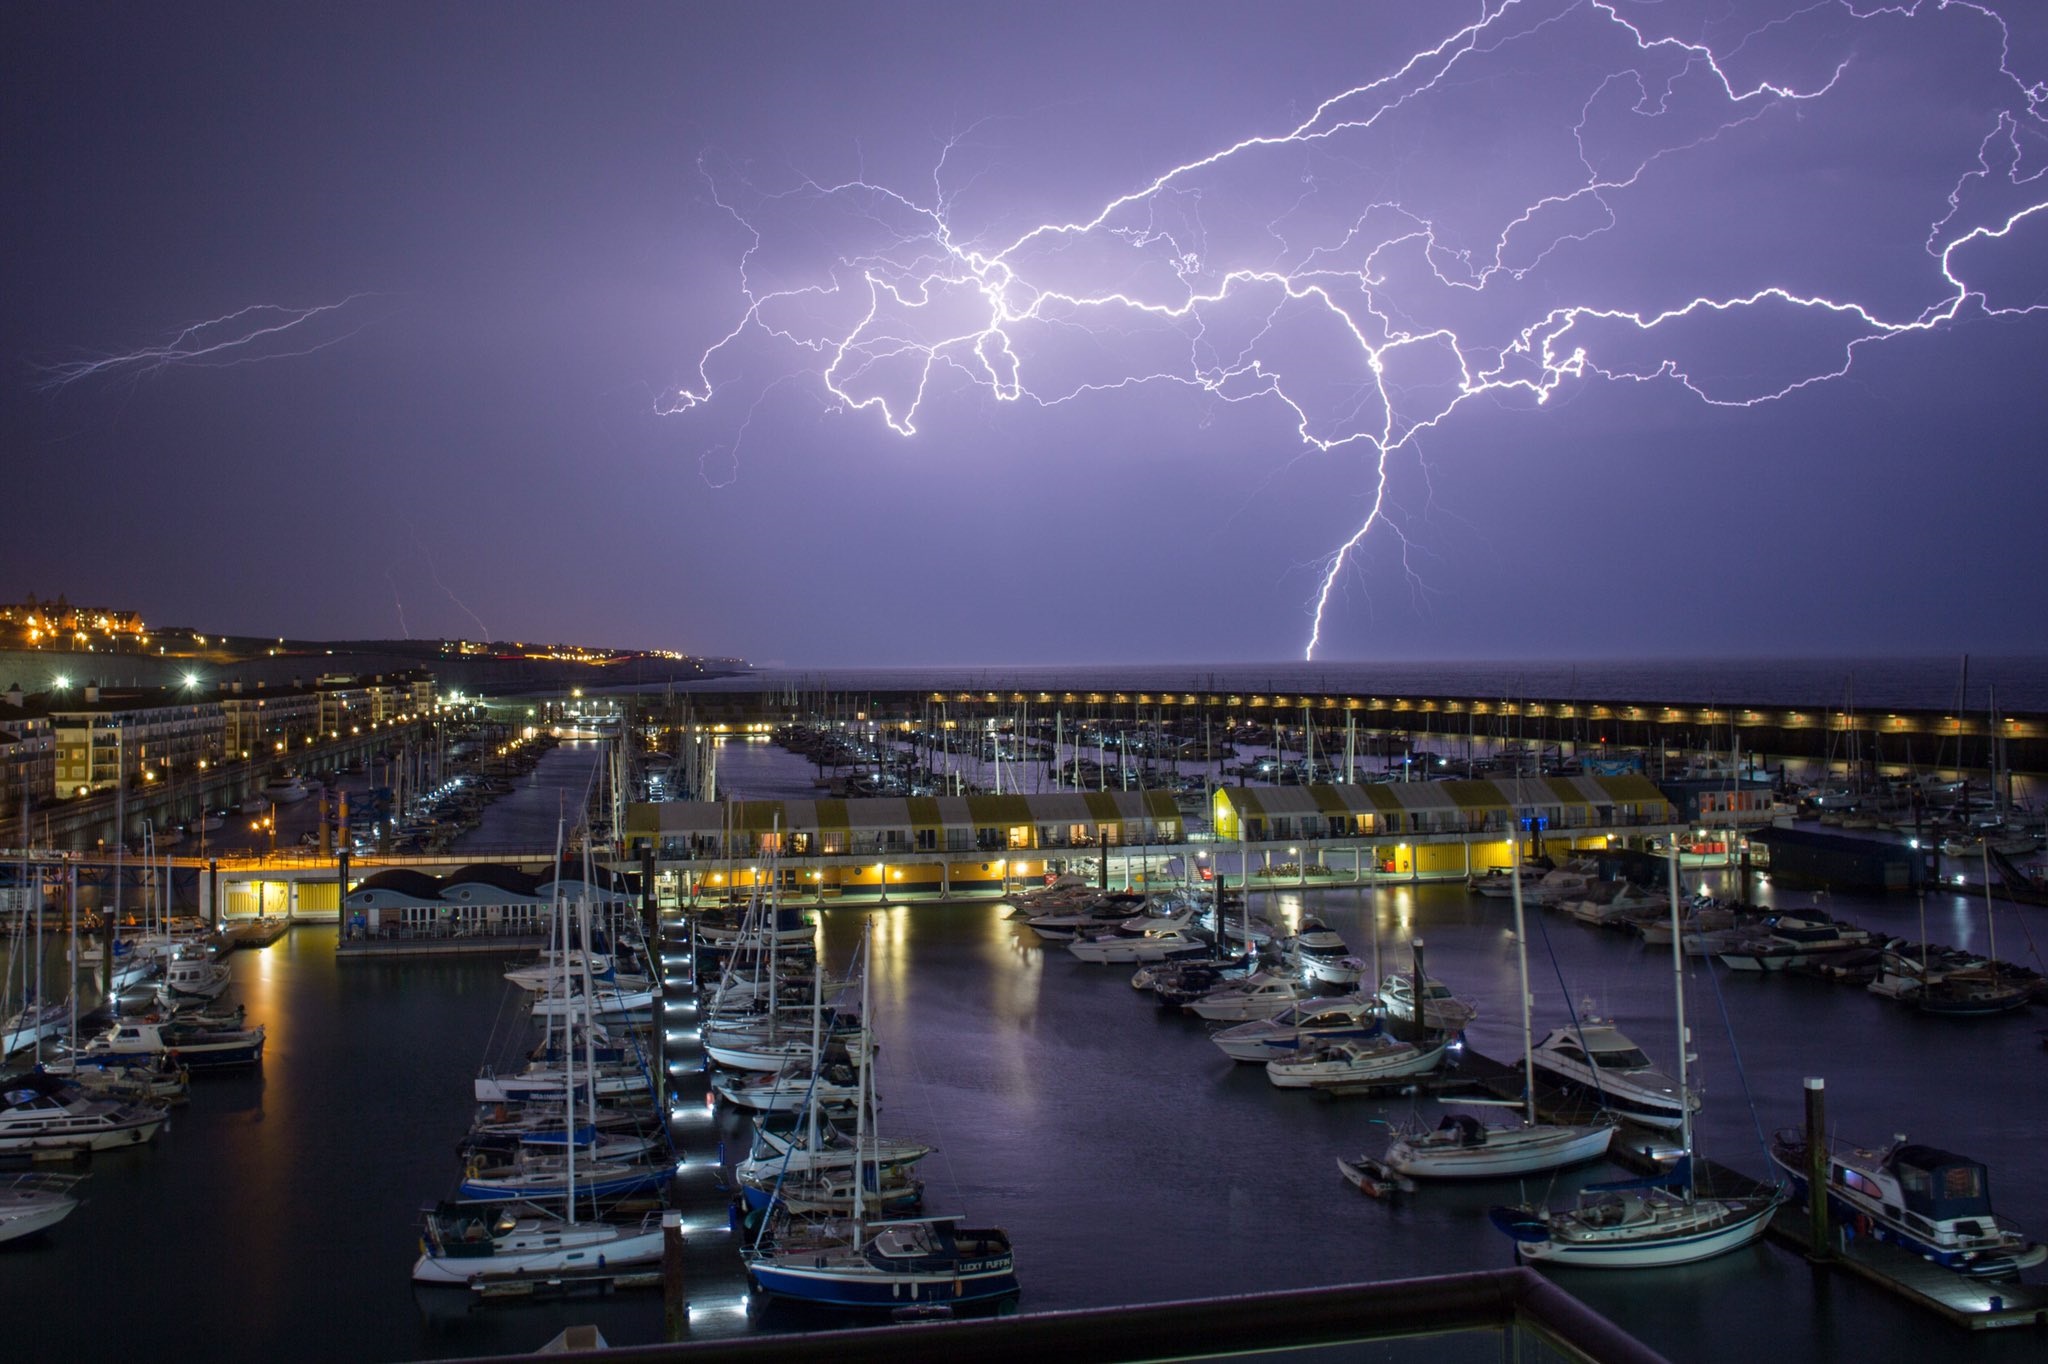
[
  {"x": 1637, "y": 1224},
  {"x": 1307, "y": 1024},
  {"x": 196, "y": 1047},
  {"x": 1934, "y": 1203},
  {"x": 863, "y": 1263},
  {"x": 41, "y": 1112},
  {"x": 464, "y": 1243},
  {"x": 30, "y": 1203},
  {"x": 1651, "y": 1222},
  {"x": 1596, "y": 1058},
  {"x": 1354, "y": 1063}
]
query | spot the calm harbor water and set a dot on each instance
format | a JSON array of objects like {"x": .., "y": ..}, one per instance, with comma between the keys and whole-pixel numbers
[{"x": 1129, "y": 1161}]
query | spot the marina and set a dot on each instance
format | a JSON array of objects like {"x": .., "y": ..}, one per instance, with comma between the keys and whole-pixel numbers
[
  {"x": 1008, "y": 1053},
  {"x": 1130, "y": 684}
]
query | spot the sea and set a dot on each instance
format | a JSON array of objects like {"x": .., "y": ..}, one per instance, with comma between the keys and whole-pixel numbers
[
  {"x": 1129, "y": 1161},
  {"x": 2014, "y": 683}
]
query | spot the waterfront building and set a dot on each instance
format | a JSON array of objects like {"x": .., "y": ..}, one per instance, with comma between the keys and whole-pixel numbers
[
  {"x": 28, "y": 750},
  {"x": 947, "y": 844},
  {"x": 147, "y": 734},
  {"x": 269, "y": 720},
  {"x": 349, "y": 704},
  {"x": 1257, "y": 814}
]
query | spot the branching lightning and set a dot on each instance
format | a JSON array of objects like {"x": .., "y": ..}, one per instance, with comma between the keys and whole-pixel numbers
[
  {"x": 247, "y": 336},
  {"x": 1341, "y": 269}
]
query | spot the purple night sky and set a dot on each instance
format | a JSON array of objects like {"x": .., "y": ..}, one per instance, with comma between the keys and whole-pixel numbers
[{"x": 625, "y": 312}]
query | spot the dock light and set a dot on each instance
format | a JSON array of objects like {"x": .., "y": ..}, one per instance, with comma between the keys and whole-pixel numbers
[{"x": 718, "y": 1309}]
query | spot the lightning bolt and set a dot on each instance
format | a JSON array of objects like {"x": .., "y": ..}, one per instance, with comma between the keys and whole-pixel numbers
[
  {"x": 1332, "y": 268},
  {"x": 433, "y": 572},
  {"x": 246, "y": 336}
]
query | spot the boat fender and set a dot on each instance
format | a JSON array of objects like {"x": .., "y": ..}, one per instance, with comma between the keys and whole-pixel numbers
[
  {"x": 1863, "y": 1224},
  {"x": 473, "y": 1168}
]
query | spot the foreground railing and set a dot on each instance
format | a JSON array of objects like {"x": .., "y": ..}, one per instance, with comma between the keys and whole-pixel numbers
[{"x": 1505, "y": 1314}]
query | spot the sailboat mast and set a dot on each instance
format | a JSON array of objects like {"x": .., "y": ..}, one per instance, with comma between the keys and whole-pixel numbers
[
  {"x": 1678, "y": 993},
  {"x": 556, "y": 927},
  {"x": 568, "y": 1049},
  {"x": 1522, "y": 957},
  {"x": 1990, "y": 919},
  {"x": 120, "y": 846},
  {"x": 811, "y": 1133},
  {"x": 589, "y": 1013},
  {"x": 867, "y": 1097},
  {"x": 71, "y": 904}
]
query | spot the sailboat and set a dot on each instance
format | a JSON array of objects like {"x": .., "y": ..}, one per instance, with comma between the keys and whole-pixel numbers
[
  {"x": 38, "y": 1017},
  {"x": 464, "y": 1243},
  {"x": 1972, "y": 992},
  {"x": 1644, "y": 1223},
  {"x": 1462, "y": 1147},
  {"x": 864, "y": 1263},
  {"x": 766, "y": 1180}
]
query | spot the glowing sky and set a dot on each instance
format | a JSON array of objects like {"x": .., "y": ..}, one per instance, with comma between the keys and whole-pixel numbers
[{"x": 916, "y": 333}]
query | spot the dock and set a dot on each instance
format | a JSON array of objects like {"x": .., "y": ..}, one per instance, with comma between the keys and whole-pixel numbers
[
  {"x": 456, "y": 945},
  {"x": 255, "y": 933},
  {"x": 713, "y": 1300}
]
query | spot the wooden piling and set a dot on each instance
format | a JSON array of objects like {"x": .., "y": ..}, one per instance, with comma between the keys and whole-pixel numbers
[{"x": 1819, "y": 1246}]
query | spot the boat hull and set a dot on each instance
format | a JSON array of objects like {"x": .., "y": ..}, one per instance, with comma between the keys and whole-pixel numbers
[
  {"x": 566, "y": 1249},
  {"x": 1513, "y": 1151},
  {"x": 1594, "y": 1249},
  {"x": 848, "y": 1278}
]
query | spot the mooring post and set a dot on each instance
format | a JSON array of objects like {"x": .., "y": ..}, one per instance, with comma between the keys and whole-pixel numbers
[
  {"x": 1817, "y": 1168},
  {"x": 675, "y": 1308}
]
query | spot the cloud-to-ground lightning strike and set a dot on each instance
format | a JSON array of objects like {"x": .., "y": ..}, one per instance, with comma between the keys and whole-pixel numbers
[
  {"x": 1373, "y": 303},
  {"x": 246, "y": 336}
]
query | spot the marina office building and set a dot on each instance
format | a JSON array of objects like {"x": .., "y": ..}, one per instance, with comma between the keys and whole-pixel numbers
[{"x": 945, "y": 845}]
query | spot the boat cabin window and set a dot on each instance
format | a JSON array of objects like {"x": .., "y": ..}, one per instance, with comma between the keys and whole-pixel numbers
[
  {"x": 1569, "y": 1052},
  {"x": 1628, "y": 1058},
  {"x": 1962, "y": 1181},
  {"x": 1860, "y": 1182}
]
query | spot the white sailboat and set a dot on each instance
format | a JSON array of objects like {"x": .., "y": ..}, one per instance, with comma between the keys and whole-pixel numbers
[
  {"x": 38, "y": 1018},
  {"x": 1643, "y": 1223},
  {"x": 1462, "y": 1147},
  {"x": 468, "y": 1244}
]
